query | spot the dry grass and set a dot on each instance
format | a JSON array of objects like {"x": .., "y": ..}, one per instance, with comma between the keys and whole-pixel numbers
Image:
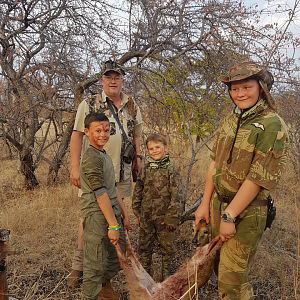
[
  {"x": 43, "y": 231},
  {"x": 43, "y": 225}
]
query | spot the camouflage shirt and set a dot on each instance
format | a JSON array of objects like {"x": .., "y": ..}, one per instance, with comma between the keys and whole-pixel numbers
[
  {"x": 158, "y": 193},
  {"x": 259, "y": 153}
]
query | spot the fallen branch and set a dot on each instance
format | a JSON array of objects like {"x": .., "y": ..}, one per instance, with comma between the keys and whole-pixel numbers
[{"x": 189, "y": 214}]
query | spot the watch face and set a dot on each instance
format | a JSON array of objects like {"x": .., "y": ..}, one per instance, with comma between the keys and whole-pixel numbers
[{"x": 227, "y": 218}]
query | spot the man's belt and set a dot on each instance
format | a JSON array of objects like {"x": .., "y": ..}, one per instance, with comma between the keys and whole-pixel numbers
[{"x": 255, "y": 202}]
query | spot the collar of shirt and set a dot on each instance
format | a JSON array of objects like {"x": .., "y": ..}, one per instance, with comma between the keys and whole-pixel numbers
[
  {"x": 124, "y": 99},
  {"x": 260, "y": 106},
  {"x": 156, "y": 164}
]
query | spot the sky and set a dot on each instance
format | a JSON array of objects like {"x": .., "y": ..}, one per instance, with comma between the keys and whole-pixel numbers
[
  {"x": 282, "y": 18},
  {"x": 288, "y": 4}
]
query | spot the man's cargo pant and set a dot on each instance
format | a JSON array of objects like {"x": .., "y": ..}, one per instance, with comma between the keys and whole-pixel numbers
[
  {"x": 100, "y": 262},
  {"x": 236, "y": 254}
]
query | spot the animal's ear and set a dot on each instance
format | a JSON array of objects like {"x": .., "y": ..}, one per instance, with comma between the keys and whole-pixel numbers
[{"x": 202, "y": 221}]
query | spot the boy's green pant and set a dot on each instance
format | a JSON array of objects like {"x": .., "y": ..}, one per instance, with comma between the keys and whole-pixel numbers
[
  {"x": 100, "y": 262},
  {"x": 236, "y": 254},
  {"x": 150, "y": 232}
]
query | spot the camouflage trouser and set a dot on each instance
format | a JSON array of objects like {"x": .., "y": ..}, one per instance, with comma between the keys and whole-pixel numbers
[
  {"x": 236, "y": 254},
  {"x": 148, "y": 234},
  {"x": 100, "y": 262}
]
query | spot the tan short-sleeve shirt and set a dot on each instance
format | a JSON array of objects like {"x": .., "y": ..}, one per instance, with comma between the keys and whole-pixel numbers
[{"x": 113, "y": 148}]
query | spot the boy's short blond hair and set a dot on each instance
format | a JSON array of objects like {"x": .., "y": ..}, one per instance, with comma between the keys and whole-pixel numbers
[{"x": 157, "y": 137}]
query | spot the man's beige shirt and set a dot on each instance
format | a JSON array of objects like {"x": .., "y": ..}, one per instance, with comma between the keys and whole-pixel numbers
[{"x": 113, "y": 146}]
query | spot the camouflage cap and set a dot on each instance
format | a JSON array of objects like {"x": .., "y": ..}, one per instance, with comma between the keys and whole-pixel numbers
[
  {"x": 110, "y": 65},
  {"x": 251, "y": 70},
  {"x": 243, "y": 71}
]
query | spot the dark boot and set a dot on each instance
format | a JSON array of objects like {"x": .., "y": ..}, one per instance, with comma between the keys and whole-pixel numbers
[
  {"x": 107, "y": 293},
  {"x": 74, "y": 279}
]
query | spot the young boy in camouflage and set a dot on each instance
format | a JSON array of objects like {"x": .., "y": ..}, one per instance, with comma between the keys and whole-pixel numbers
[
  {"x": 248, "y": 157},
  {"x": 157, "y": 204},
  {"x": 101, "y": 209}
]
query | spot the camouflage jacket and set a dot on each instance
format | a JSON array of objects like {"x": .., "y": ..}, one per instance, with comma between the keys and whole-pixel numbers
[
  {"x": 158, "y": 194},
  {"x": 259, "y": 153}
]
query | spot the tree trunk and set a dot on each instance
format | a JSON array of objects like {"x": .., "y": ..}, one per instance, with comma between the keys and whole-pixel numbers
[
  {"x": 57, "y": 161},
  {"x": 27, "y": 168},
  {"x": 10, "y": 153}
]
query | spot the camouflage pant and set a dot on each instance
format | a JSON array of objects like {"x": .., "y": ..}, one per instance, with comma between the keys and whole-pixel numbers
[
  {"x": 236, "y": 254},
  {"x": 148, "y": 234},
  {"x": 100, "y": 262}
]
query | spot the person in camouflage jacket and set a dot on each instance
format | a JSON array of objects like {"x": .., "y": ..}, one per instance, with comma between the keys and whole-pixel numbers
[
  {"x": 248, "y": 158},
  {"x": 157, "y": 204}
]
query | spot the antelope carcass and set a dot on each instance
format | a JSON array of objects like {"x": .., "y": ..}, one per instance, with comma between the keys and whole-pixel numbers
[{"x": 181, "y": 285}]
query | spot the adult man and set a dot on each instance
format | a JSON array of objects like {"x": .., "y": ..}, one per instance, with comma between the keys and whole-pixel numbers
[{"x": 129, "y": 116}]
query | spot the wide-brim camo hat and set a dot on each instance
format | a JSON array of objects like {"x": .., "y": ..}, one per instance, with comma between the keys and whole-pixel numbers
[
  {"x": 251, "y": 70},
  {"x": 110, "y": 65}
]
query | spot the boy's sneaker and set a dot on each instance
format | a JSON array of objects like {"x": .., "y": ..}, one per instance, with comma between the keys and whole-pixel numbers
[
  {"x": 107, "y": 293},
  {"x": 74, "y": 279}
]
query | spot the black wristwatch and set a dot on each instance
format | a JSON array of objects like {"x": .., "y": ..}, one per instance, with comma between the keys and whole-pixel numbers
[
  {"x": 139, "y": 156},
  {"x": 226, "y": 217}
]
